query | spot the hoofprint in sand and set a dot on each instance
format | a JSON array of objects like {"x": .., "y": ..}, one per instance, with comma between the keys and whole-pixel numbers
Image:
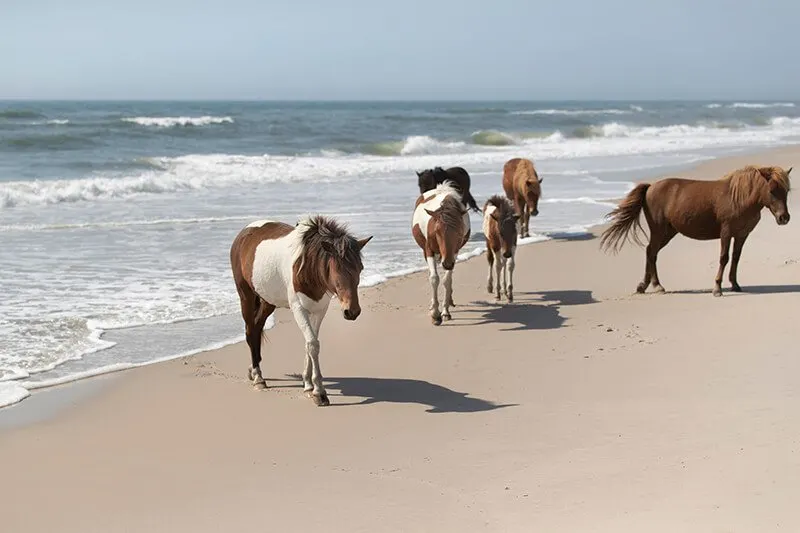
[{"x": 580, "y": 407}]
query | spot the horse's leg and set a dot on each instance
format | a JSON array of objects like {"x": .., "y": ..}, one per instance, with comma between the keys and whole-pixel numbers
[
  {"x": 725, "y": 245},
  {"x": 308, "y": 385},
  {"x": 657, "y": 247},
  {"x": 505, "y": 280},
  {"x": 436, "y": 315},
  {"x": 309, "y": 323},
  {"x": 498, "y": 267},
  {"x": 255, "y": 312},
  {"x": 510, "y": 267},
  {"x": 490, "y": 279},
  {"x": 519, "y": 207},
  {"x": 738, "y": 244},
  {"x": 642, "y": 287},
  {"x": 447, "y": 280},
  {"x": 527, "y": 221}
]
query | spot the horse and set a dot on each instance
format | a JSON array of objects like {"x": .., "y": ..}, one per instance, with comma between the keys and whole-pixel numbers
[
  {"x": 500, "y": 231},
  {"x": 296, "y": 267},
  {"x": 724, "y": 209},
  {"x": 440, "y": 227},
  {"x": 429, "y": 179},
  {"x": 523, "y": 187}
]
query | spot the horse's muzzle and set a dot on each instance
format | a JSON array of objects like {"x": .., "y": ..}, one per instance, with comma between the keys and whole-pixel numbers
[
  {"x": 351, "y": 314},
  {"x": 783, "y": 219}
]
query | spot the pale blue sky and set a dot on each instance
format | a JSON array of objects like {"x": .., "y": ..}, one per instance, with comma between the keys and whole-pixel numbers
[{"x": 409, "y": 49}]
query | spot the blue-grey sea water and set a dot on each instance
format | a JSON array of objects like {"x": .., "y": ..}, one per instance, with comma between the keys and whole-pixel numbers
[{"x": 116, "y": 217}]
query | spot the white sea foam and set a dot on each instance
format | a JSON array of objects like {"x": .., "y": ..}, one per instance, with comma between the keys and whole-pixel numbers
[
  {"x": 578, "y": 112},
  {"x": 168, "y": 122},
  {"x": 749, "y": 105},
  {"x": 11, "y": 393},
  {"x": 58, "y": 122}
]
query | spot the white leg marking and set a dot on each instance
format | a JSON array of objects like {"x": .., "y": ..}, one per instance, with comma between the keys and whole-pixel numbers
[
  {"x": 434, "y": 279},
  {"x": 448, "y": 293},
  {"x": 309, "y": 324}
]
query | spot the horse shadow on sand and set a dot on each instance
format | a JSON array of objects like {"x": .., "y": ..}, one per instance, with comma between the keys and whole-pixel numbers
[
  {"x": 529, "y": 311},
  {"x": 746, "y": 289},
  {"x": 437, "y": 398}
]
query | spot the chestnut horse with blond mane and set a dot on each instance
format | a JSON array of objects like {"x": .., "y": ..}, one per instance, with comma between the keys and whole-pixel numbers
[
  {"x": 440, "y": 227},
  {"x": 725, "y": 209},
  {"x": 296, "y": 267},
  {"x": 523, "y": 187}
]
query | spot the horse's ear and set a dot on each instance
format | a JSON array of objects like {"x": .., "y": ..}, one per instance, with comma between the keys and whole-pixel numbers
[
  {"x": 419, "y": 174},
  {"x": 541, "y": 180},
  {"x": 363, "y": 242},
  {"x": 766, "y": 172},
  {"x": 431, "y": 213},
  {"x": 789, "y": 171}
]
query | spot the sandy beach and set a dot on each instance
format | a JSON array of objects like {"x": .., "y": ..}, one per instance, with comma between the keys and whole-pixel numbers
[{"x": 582, "y": 407}]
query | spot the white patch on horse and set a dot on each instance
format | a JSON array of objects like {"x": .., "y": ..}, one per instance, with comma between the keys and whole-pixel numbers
[
  {"x": 487, "y": 219},
  {"x": 259, "y": 223},
  {"x": 442, "y": 191}
]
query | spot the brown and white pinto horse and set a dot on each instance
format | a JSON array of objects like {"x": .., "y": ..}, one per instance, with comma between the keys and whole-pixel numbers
[
  {"x": 299, "y": 268},
  {"x": 523, "y": 187},
  {"x": 440, "y": 227},
  {"x": 500, "y": 230}
]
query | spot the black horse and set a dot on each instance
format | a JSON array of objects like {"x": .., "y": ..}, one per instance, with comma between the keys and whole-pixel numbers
[{"x": 429, "y": 179}]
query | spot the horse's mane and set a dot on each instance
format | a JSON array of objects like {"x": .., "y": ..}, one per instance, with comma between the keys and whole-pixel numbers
[
  {"x": 451, "y": 212},
  {"x": 503, "y": 208},
  {"x": 747, "y": 182},
  {"x": 322, "y": 239}
]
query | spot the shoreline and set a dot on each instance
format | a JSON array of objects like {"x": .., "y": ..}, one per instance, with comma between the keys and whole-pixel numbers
[{"x": 591, "y": 231}]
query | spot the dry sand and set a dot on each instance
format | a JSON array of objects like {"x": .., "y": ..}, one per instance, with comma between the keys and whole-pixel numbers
[{"x": 581, "y": 407}]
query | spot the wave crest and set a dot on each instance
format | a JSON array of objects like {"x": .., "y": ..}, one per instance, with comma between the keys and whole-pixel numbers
[
  {"x": 170, "y": 122},
  {"x": 492, "y": 138}
]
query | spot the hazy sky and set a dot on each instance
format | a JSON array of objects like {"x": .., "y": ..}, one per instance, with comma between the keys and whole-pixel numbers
[{"x": 409, "y": 49}]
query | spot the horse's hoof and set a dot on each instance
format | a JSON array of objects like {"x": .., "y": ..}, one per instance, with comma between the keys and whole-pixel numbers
[
  {"x": 489, "y": 288},
  {"x": 447, "y": 316},
  {"x": 659, "y": 289},
  {"x": 640, "y": 288},
  {"x": 260, "y": 385},
  {"x": 717, "y": 292},
  {"x": 510, "y": 298},
  {"x": 321, "y": 400},
  {"x": 736, "y": 288},
  {"x": 436, "y": 320}
]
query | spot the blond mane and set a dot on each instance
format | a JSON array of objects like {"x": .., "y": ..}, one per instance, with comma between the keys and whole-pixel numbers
[{"x": 748, "y": 183}]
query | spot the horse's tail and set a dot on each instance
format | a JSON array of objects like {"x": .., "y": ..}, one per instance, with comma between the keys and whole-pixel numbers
[
  {"x": 626, "y": 220},
  {"x": 470, "y": 201}
]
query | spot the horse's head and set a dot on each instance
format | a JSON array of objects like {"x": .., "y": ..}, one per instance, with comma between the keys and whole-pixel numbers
[
  {"x": 533, "y": 190},
  {"x": 507, "y": 226},
  {"x": 448, "y": 229},
  {"x": 344, "y": 275},
  {"x": 777, "y": 193},
  {"x": 425, "y": 181}
]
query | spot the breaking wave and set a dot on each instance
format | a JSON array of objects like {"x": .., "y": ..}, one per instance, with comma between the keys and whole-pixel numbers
[{"x": 169, "y": 122}]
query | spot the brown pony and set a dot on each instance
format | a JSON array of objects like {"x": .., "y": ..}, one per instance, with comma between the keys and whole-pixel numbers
[
  {"x": 440, "y": 227},
  {"x": 500, "y": 231},
  {"x": 297, "y": 267},
  {"x": 523, "y": 187},
  {"x": 725, "y": 209}
]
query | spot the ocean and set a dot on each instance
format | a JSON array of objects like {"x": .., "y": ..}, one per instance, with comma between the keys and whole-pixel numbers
[{"x": 116, "y": 218}]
